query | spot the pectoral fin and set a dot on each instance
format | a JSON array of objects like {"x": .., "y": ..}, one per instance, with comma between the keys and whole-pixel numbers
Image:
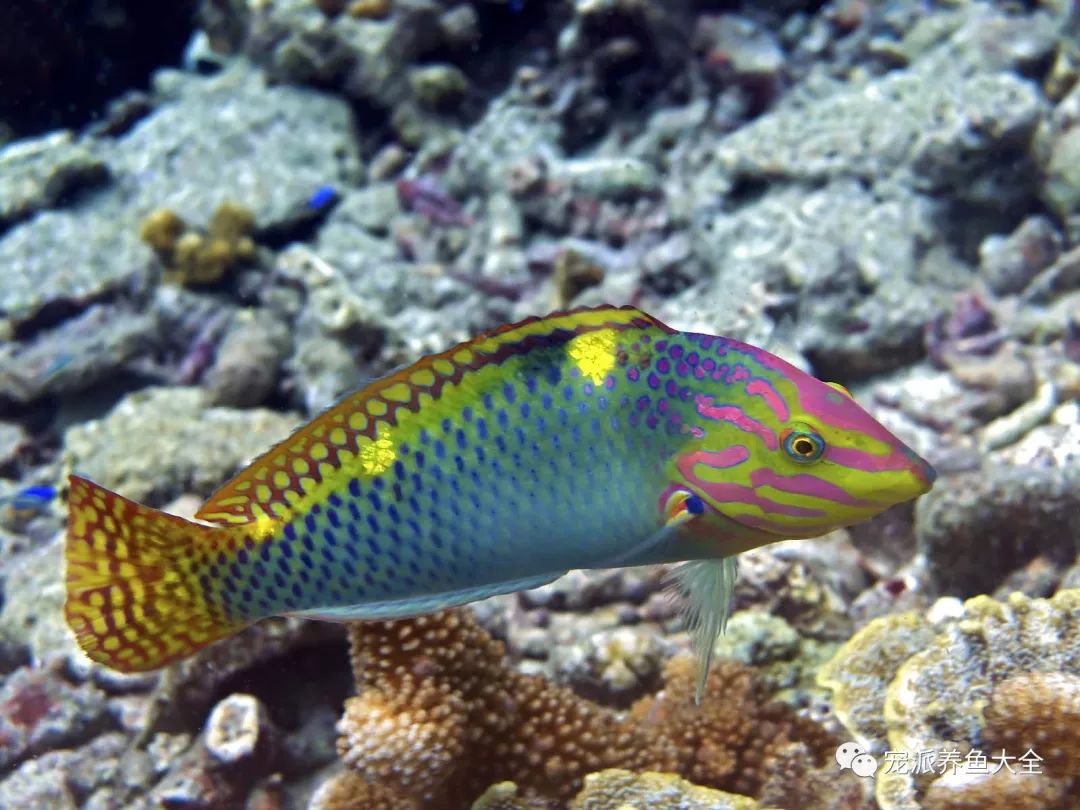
[{"x": 680, "y": 508}]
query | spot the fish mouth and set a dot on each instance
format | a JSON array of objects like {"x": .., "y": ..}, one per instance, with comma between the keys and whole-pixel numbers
[{"x": 925, "y": 474}]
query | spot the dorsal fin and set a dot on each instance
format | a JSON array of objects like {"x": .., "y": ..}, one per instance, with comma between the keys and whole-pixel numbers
[{"x": 291, "y": 473}]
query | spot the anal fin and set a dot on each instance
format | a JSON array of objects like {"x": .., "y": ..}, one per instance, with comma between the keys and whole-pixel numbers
[
  {"x": 707, "y": 588},
  {"x": 428, "y": 603}
]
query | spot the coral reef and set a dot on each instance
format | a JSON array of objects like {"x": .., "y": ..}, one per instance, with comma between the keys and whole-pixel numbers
[
  {"x": 1034, "y": 713},
  {"x": 439, "y": 716},
  {"x": 1038, "y": 711},
  {"x": 273, "y": 149},
  {"x": 350, "y": 791},
  {"x": 196, "y": 446},
  {"x": 194, "y": 258},
  {"x": 970, "y": 676},
  {"x": 885, "y": 193},
  {"x": 38, "y": 174},
  {"x": 1011, "y": 512},
  {"x": 616, "y": 789},
  {"x": 860, "y": 672},
  {"x": 999, "y": 791},
  {"x": 721, "y": 746},
  {"x": 613, "y": 666}
]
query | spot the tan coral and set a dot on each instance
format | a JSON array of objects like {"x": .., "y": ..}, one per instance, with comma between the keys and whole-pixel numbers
[
  {"x": 350, "y": 791},
  {"x": 860, "y": 672},
  {"x": 161, "y": 229},
  {"x": 622, "y": 790},
  {"x": 409, "y": 741},
  {"x": 726, "y": 741},
  {"x": 794, "y": 781},
  {"x": 997, "y": 791},
  {"x": 1039, "y": 712},
  {"x": 370, "y": 9},
  {"x": 617, "y": 789},
  {"x": 505, "y": 796},
  {"x": 936, "y": 698},
  {"x": 440, "y": 715},
  {"x": 191, "y": 257}
]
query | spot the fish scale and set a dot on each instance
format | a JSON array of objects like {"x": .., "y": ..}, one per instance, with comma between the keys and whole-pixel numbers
[
  {"x": 589, "y": 438},
  {"x": 450, "y": 493}
]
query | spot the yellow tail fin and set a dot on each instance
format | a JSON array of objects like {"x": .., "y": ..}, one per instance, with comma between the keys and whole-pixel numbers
[{"x": 134, "y": 600}]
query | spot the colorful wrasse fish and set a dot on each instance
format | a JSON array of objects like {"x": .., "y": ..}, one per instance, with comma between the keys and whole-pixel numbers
[{"x": 587, "y": 439}]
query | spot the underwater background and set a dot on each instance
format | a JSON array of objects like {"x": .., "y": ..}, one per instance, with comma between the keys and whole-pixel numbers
[{"x": 219, "y": 216}]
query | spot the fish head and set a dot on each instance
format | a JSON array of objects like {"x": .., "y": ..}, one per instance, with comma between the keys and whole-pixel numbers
[{"x": 784, "y": 455}]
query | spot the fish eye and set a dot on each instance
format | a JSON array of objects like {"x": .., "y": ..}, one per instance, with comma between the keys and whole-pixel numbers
[{"x": 803, "y": 446}]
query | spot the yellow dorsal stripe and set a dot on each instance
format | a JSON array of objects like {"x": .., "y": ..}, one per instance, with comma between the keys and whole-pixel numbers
[{"x": 355, "y": 429}]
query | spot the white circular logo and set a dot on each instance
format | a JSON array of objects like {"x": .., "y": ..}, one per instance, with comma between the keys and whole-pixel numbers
[{"x": 851, "y": 755}]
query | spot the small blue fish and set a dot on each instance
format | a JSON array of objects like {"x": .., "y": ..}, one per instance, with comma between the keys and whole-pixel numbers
[
  {"x": 43, "y": 494},
  {"x": 27, "y": 504},
  {"x": 323, "y": 197}
]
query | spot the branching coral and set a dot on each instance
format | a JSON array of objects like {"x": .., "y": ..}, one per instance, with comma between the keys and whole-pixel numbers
[
  {"x": 726, "y": 741},
  {"x": 440, "y": 715},
  {"x": 191, "y": 257},
  {"x": 350, "y": 791}
]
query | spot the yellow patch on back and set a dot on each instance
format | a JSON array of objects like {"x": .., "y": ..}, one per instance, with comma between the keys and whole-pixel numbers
[
  {"x": 594, "y": 353},
  {"x": 377, "y": 456},
  {"x": 386, "y": 402}
]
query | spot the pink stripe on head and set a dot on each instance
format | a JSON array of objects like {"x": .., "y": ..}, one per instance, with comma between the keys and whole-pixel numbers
[
  {"x": 761, "y": 387},
  {"x": 805, "y": 484},
  {"x": 737, "y": 493},
  {"x": 737, "y": 417},
  {"x": 719, "y": 492},
  {"x": 866, "y": 462},
  {"x": 728, "y": 457}
]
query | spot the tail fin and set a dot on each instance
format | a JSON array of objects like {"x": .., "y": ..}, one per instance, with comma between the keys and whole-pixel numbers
[{"x": 134, "y": 600}]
